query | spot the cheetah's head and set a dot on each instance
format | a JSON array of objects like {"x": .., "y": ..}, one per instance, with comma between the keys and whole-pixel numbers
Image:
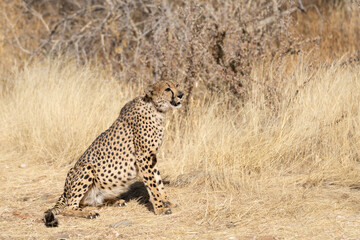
[{"x": 164, "y": 95}]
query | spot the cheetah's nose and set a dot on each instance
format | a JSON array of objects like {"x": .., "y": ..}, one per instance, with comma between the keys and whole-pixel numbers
[
  {"x": 175, "y": 104},
  {"x": 180, "y": 94}
]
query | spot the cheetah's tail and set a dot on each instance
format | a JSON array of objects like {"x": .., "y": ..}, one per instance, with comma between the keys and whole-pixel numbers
[{"x": 49, "y": 218}]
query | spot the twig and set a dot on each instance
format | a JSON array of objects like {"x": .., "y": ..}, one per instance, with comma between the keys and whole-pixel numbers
[
  {"x": 303, "y": 85},
  {"x": 151, "y": 29},
  {"x": 15, "y": 36},
  {"x": 39, "y": 16},
  {"x": 271, "y": 19},
  {"x": 301, "y": 8}
]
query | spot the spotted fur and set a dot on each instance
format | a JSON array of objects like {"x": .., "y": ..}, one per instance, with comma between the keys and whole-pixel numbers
[{"x": 121, "y": 153}]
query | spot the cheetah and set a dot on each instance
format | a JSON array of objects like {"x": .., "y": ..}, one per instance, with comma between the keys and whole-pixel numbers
[{"x": 124, "y": 151}]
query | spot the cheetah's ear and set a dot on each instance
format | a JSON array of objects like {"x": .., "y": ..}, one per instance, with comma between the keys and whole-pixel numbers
[{"x": 149, "y": 93}]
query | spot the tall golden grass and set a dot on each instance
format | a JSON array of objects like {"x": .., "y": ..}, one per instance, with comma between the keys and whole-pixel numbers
[
  {"x": 53, "y": 109},
  {"x": 309, "y": 137},
  {"x": 49, "y": 109}
]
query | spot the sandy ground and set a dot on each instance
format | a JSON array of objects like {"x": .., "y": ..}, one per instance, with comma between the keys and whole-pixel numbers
[{"x": 27, "y": 192}]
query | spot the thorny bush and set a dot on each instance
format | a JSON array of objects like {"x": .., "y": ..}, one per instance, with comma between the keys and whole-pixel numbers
[{"x": 215, "y": 43}]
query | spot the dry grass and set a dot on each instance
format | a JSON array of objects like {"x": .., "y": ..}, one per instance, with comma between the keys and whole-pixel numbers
[
  {"x": 272, "y": 168},
  {"x": 337, "y": 28},
  {"x": 62, "y": 97}
]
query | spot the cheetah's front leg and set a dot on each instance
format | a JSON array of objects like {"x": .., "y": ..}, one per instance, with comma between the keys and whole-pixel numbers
[
  {"x": 151, "y": 178},
  {"x": 163, "y": 196}
]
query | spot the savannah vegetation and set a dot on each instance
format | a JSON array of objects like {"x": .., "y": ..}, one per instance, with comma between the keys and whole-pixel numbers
[{"x": 266, "y": 146}]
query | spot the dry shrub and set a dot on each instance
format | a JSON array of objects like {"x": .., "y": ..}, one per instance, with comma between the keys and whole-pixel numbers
[
  {"x": 214, "y": 43},
  {"x": 211, "y": 43}
]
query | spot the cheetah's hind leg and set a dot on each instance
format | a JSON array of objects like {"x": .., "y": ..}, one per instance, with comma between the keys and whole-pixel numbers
[
  {"x": 78, "y": 182},
  {"x": 83, "y": 179}
]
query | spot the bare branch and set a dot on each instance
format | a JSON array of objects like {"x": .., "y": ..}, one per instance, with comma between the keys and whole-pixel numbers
[
  {"x": 39, "y": 16},
  {"x": 15, "y": 36}
]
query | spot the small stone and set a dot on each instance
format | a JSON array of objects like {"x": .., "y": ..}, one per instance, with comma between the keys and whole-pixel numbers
[
  {"x": 24, "y": 216},
  {"x": 230, "y": 225},
  {"x": 16, "y": 212},
  {"x": 188, "y": 178},
  {"x": 7, "y": 166},
  {"x": 21, "y": 215},
  {"x": 46, "y": 196},
  {"x": 41, "y": 178},
  {"x": 23, "y": 165},
  {"x": 121, "y": 223}
]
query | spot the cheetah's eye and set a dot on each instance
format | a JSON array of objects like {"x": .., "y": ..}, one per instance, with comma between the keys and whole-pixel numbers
[{"x": 168, "y": 90}]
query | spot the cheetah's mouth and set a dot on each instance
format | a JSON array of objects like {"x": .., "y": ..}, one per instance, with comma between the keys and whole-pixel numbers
[{"x": 175, "y": 104}]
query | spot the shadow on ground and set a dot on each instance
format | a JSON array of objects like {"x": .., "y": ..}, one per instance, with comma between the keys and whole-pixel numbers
[{"x": 137, "y": 191}]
